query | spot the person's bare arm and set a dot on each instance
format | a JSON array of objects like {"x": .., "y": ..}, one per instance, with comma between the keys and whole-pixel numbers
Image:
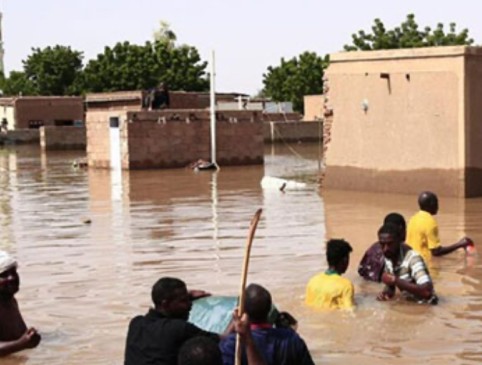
[
  {"x": 444, "y": 250},
  {"x": 424, "y": 291},
  {"x": 29, "y": 340},
  {"x": 241, "y": 325}
]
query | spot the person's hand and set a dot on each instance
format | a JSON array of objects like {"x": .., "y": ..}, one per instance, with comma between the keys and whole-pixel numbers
[
  {"x": 466, "y": 242},
  {"x": 198, "y": 294},
  {"x": 241, "y": 325},
  {"x": 384, "y": 296},
  {"x": 30, "y": 339},
  {"x": 388, "y": 279}
]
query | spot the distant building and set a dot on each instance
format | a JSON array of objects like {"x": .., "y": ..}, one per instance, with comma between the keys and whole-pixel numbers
[
  {"x": 33, "y": 112},
  {"x": 245, "y": 102}
]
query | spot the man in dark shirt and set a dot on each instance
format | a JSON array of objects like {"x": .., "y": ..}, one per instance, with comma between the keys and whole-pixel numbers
[
  {"x": 155, "y": 338},
  {"x": 279, "y": 346},
  {"x": 159, "y": 98}
]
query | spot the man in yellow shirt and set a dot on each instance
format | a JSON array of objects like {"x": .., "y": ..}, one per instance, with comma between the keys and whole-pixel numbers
[
  {"x": 328, "y": 290},
  {"x": 422, "y": 232}
]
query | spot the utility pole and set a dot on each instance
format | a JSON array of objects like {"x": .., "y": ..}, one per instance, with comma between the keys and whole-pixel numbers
[{"x": 2, "y": 51}]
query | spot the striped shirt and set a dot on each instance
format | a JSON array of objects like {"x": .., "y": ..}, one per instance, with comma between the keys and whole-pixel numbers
[{"x": 412, "y": 268}]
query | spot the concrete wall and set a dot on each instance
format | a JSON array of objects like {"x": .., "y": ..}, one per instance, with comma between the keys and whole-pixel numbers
[
  {"x": 48, "y": 110},
  {"x": 63, "y": 138},
  {"x": 166, "y": 139},
  {"x": 399, "y": 121},
  {"x": 313, "y": 107}
]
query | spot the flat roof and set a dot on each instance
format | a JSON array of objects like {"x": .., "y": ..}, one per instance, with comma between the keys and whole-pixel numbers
[{"x": 424, "y": 52}]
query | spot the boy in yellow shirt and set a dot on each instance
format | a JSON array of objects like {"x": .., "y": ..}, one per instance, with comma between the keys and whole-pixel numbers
[{"x": 328, "y": 290}]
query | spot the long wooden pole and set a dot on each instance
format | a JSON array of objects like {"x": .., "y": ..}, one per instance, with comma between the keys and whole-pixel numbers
[{"x": 244, "y": 276}]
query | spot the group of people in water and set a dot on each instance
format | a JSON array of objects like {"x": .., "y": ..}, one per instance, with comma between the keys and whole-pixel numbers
[{"x": 164, "y": 335}]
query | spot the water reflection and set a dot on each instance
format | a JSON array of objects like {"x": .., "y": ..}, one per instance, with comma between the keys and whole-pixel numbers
[{"x": 81, "y": 283}]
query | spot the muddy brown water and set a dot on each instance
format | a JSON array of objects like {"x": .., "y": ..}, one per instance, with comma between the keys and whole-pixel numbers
[{"x": 81, "y": 283}]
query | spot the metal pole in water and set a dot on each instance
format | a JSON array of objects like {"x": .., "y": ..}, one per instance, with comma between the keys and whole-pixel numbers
[{"x": 213, "y": 112}]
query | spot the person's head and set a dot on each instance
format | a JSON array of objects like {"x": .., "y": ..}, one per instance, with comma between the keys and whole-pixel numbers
[
  {"x": 9, "y": 279},
  {"x": 200, "y": 351},
  {"x": 390, "y": 240},
  {"x": 257, "y": 303},
  {"x": 397, "y": 220},
  {"x": 162, "y": 86},
  {"x": 170, "y": 297},
  {"x": 428, "y": 202},
  {"x": 338, "y": 254}
]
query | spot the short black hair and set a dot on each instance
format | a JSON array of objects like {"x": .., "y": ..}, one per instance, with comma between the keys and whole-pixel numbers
[
  {"x": 200, "y": 351},
  {"x": 257, "y": 303},
  {"x": 427, "y": 200},
  {"x": 337, "y": 250},
  {"x": 396, "y": 219},
  {"x": 164, "y": 289},
  {"x": 391, "y": 229}
]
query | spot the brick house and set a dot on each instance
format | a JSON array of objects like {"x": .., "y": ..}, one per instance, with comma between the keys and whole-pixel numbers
[{"x": 32, "y": 112}]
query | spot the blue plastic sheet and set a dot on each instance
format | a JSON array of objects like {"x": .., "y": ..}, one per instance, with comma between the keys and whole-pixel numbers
[{"x": 214, "y": 313}]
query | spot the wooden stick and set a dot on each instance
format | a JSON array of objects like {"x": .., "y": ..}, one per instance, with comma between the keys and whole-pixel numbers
[{"x": 244, "y": 276}]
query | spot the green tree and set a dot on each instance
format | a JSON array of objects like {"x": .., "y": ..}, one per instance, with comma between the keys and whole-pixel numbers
[
  {"x": 407, "y": 35},
  {"x": 294, "y": 78},
  {"x": 54, "y": 70},
  {"x": 18, "y": 84},
  {"x": 129, "y": 67}
]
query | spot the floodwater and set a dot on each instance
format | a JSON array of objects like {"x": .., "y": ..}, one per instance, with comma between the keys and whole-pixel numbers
[{"x": 81, "y": 283}]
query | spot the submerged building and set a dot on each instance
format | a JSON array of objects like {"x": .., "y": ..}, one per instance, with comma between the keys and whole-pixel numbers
[{"x": 405, "y": 121}]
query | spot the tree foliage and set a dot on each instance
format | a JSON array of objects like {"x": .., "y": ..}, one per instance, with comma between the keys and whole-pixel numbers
[
  {"x": 54, "y": 70},
  {"x": 294, "y": 78},
  {"x": 59, "y": 70},
  {"x": 18, "y": 84},
  {"x": 407, "y": 35},
  {"x": 128, "y": 67}
]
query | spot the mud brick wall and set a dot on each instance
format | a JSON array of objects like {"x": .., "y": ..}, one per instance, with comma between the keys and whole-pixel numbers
[
  {"x": 98, "y": 137},
  {"x": 165, "y": 139},
  {"x": 48, "y": 110},
  {"x": 20, "y": 136},
  {"x": 132, "y": 100},
  {"x": 63, "y": 138},
  {"x": 183, "y": 100}
]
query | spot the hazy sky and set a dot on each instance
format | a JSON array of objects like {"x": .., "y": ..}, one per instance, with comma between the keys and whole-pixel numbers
[{"x": 247, "y": 35}]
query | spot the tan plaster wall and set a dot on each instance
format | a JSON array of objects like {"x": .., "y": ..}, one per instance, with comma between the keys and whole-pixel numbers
[
  {"x": 410, "y": 123},
  {"x": 313, "y": 107},
  {"x": 413, "y": 135}
]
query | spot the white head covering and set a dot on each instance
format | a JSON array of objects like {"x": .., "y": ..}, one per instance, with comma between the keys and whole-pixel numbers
[{"x": 6, "y": 261}]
